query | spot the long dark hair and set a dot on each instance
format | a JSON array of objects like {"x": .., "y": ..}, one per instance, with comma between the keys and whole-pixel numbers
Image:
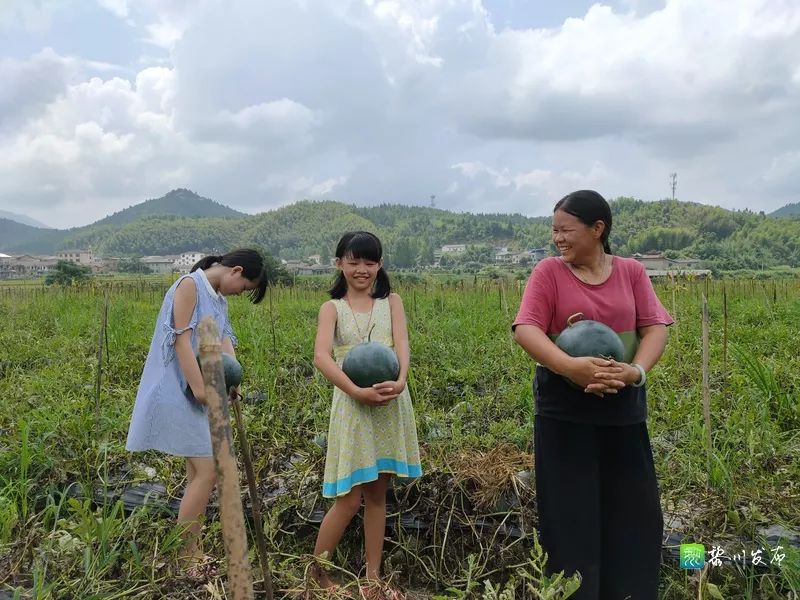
[
  {"x": 251, "y": 262},
  {"x": 366, "y": 245},
  {"x": 588, "y": 207}
]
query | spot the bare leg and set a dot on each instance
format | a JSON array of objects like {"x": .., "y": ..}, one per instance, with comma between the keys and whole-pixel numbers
[
  {"x": 332, "y": 528},
  {"x": 190, "y": 471},
  {"x": 375, "y": 523},
  {"x": 202, "y": 477}
]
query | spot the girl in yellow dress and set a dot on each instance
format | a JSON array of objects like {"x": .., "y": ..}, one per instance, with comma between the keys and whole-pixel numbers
[{"x": 372, "y": 433}]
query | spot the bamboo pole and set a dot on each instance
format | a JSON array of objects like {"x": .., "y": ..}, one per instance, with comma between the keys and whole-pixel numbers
[
  {"x": 234, "y": 536},
  {"x": 706, "y": 388},
  {"x": 102, "y": 340},
  {"x": 258, "y": 522},
  {"x": 724, "y": 330}
]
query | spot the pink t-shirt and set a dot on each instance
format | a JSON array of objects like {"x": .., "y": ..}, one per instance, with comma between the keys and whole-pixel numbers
[{"x": 625, "y": 301}]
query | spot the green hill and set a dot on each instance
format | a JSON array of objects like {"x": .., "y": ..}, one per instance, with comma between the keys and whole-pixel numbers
[
  {"x": 178, "y": 203},
  {"x": 24, "y": 219},
  {"x": 790, "y": 210},
  {"x": 23, "y": 239},
  {"x": 723, "y": 239}
]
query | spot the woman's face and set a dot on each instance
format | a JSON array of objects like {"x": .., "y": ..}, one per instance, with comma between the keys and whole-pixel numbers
[{"x": 574, "y": 239}]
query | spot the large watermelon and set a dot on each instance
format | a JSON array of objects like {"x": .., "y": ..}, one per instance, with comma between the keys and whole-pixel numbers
[
  {"x": 590, "y": 338},
  {"x": 369, "y": 363}
]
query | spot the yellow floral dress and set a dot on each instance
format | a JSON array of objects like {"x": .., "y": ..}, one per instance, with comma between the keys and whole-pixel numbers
[{"x": 366, "y": 440}]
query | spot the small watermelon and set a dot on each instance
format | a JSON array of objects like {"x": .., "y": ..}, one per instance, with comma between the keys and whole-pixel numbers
[
  {"x": 369, "y": 363},
  {"x": 590, "y": 338}
]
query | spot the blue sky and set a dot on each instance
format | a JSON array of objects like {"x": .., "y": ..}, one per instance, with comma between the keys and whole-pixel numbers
[{"x": 493, "y": 106}]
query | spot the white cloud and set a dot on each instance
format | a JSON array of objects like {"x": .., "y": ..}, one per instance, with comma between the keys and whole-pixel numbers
[
  {"x": 164, "y": 34},
  {"x": 31, "y": 15},
  {"x": 117, "y": 7},
  {"x": 375, "y": 101},
  {"x": 783, "y": 174}
]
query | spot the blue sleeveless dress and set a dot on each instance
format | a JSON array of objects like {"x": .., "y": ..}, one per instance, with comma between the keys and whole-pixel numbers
[{"x": 164, "y": 417}]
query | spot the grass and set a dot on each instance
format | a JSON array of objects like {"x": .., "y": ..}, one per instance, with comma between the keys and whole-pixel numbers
[{"x": 472, "y": 395}]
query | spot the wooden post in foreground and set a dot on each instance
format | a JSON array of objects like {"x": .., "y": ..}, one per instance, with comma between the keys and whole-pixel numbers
[
  {"x": 706, "y": 385},
  {"x": 234, "y": 535},
  {"x": 258, "y": 522}
]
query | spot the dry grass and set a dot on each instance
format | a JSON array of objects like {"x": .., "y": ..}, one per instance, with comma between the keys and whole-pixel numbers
[{"x": 486, "y": 476}]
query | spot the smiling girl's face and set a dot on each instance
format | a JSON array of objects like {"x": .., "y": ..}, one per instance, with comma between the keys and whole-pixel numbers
[{"x": 359, "y": 273}]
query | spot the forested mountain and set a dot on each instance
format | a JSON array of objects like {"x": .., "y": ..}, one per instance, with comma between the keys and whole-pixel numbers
[
  {"x": 24, "y": 219},
  {"x": 20, "y": 239},
  {"x": 724, "y": 239},
  {"x": 790, "y": 210},
  {"x": 177, "y": 203}
]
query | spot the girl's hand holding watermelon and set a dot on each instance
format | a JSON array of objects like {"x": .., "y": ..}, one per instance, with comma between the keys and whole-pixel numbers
[
  {"x": 390, "y": 387},
  {"x": 378, "y": 395}
]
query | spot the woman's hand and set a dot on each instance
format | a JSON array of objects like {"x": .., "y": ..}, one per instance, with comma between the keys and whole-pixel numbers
[
  {"x": 625, "y": 374},
  {"x": 598, "y": 376}
]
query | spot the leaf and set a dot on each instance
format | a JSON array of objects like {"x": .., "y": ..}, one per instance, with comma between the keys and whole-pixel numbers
[{"x": 714, "y": 592}]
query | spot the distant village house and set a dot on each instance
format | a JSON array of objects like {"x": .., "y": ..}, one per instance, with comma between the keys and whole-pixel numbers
[
  {"x": 184, "y": 263},
  {"x": 12, "y": 267},
  {"x": 309, "y": 266},
  {"x": 162, "y": 265},
  {"x": 78, "y": 257},
  {"x": 658, "y": 265}
]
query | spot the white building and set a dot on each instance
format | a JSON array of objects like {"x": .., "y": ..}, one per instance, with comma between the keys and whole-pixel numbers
[
  {"x": 502, "y": 254},
  {"x": 453, "y": 248},
  {"x": 79, "y": 257},
  {"x": 187, "y": 260},
  {"x": 161, "y": 264},
  {"x": 26, "y": 266}
]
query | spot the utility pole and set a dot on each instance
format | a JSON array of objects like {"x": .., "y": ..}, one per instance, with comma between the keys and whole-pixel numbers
[
  {"x": 673, "y": 182},
  {"x": 433, "y": 200}
]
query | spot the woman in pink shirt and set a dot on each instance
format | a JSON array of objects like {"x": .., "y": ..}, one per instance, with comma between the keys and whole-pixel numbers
[{"x": 596, "y": 489}]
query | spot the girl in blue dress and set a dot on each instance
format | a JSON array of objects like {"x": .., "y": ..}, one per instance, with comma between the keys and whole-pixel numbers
[{"x": 169, "y": 417}]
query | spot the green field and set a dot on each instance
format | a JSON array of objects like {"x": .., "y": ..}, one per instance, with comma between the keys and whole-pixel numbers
[{"x": 469, "y": 521}]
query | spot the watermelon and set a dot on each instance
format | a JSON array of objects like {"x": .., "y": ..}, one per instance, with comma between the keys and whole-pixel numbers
[
  {"x": 232, "y": 369},
  {"x": 369, "y": 363},
  {"x": 590, "y": 338}
]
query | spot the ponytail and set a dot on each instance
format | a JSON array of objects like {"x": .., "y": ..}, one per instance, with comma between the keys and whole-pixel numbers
[
  {"x": 382, "y": 285},
  {"x": 339, "y": 288},
  {"x": 205, "y": 262}
]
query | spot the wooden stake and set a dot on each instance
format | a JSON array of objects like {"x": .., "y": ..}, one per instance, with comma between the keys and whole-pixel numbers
[
  {"x": 258, "y": 523},
  {"x": 102, "y": 340},
  {"x": 234, "y": 535},
  {"x": 706, "y": 388},
  {"x": 724, "y": 330}
]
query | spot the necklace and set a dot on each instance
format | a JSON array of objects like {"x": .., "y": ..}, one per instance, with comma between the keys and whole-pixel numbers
[
  {"x": 577, "y": 273},
  {"x": 361, "y": 336}
]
